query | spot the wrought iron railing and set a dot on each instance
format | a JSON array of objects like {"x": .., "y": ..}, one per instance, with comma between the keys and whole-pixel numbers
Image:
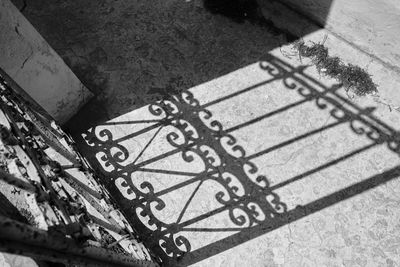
[{"x": 70, "y": 217}]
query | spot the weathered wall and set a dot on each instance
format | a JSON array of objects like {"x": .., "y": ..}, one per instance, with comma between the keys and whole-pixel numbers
[
  {"x": 374, "y": 26},
  {"x": 36, "y": 67}
]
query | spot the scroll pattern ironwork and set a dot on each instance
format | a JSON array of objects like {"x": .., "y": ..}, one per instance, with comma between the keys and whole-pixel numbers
[{"x": 247, "y": 195}]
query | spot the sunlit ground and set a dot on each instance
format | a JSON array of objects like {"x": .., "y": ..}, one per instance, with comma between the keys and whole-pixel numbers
[{"x": 269, "y": 165}]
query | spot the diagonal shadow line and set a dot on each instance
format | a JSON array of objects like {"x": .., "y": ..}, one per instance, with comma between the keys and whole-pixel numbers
[
  {"x": 147, "y": 145},
  {"x": 142, "y": 131},
  {"x": 167, "y": 172},
  {"x": 128, "y": 122},
  {"x": 240, "y": 92},
  {"x": 175, "y": 151},
  {"x": 132, "y": 168},
  {"x": 172, "y": 152},
  {"x": 291, "y": 180},
  {"x": 313, "y": 95},
  {"x": 225, "y": 229},
  {"x": 363, "y": 115},
  {"x": 297, "y": 138},
  {"x": 332, "y": 101},
  {"x": 306, "y": 99},
  {"x": 289, "y": 217},
  {"x": 295, "y": 104},
  {"x": 201, "y": 217},
  {"x": 324, "y": 166},
  {"x": 188, "y": 202},
  {"x": 342, "y": 98},
  {"x": 369, "y": 116},
  {"x": 199, "y": 177}
]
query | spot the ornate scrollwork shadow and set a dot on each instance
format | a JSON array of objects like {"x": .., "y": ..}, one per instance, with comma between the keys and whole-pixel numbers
[{"x": 245, "y": 195}]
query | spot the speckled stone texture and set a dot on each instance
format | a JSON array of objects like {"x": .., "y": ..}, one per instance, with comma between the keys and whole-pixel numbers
[
  {"x": 269, "y": 165},
  {"x": 257, "y": 160},
  {"x": 129, "y": 51},
  {"x": 370, "y": 25},
  {"x": 29, "y": 60}
]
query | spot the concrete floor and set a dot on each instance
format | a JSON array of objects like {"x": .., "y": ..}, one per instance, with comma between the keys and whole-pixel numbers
[
  {"x": 193, "y": 181},
  {"x": 255, "y": 161},
  {"x": 128, "y": 52}
]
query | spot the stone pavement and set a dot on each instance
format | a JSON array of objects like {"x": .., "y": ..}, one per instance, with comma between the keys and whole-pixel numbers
[
  {"x": 257, "y": 159},
  {"x": 270, "y": 165}
]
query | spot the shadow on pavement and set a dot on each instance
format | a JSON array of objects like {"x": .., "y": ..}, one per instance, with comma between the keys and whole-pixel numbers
[{"x": 240, "y": 203}]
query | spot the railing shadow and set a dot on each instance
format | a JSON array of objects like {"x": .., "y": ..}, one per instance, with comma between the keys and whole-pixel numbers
[
  {"x": 243, "y": 196},
  {"x": 125, "y": 52}
]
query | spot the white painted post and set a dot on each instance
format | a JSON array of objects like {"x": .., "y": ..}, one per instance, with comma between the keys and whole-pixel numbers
[{"x": 36, "y": 67}]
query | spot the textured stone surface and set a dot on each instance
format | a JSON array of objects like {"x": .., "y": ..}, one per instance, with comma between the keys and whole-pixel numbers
[
  {"x": 386, "y": 78},
  {"x": 129, "y": 51},
  {"x": 33, "y": 64},
  {"x": 372, "y": 26},
  {"x": 334, "y": 169},
  {"x": 332, "y": 164}
]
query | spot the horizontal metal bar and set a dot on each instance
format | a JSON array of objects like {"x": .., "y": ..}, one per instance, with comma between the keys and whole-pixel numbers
[{"x": 19, "y": 238}]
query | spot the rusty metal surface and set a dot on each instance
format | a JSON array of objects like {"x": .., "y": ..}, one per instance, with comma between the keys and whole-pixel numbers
[
  {"x": 16, "y": 237},
  {"x": 70, "y": 211}
]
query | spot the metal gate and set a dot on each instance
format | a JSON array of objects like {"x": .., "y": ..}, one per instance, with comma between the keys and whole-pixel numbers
[{"x": 68, "y": 217}]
